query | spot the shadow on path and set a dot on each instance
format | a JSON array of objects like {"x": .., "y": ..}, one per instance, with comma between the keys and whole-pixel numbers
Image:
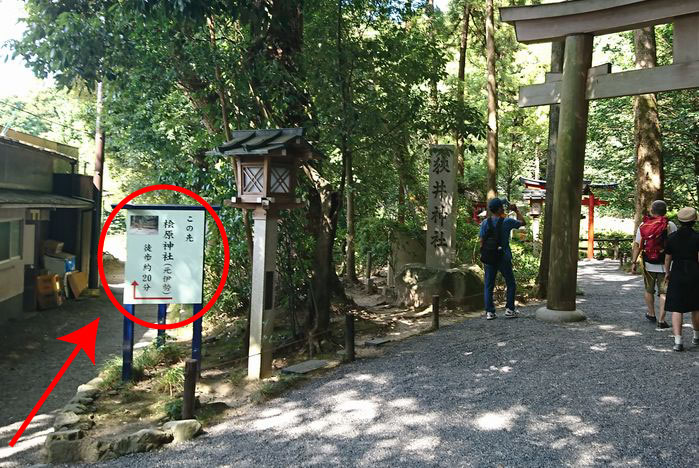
[
  {"x": 485, "y": 393},
  {"x": 31, "y": 356}
]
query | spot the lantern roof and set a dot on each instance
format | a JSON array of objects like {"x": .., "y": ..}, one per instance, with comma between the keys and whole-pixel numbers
[{"x": 279, "y": 141}]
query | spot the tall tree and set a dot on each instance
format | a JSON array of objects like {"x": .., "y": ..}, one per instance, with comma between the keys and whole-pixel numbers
[
  {"x": 557, "y": 55},
  {"x": 649, "y": 157},
  {"x": 346, "y": 124},
  {"x": 461, "y": 75},
  {"x": 491, "y": 57}
]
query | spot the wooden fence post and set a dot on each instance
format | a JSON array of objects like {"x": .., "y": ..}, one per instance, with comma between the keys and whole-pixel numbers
[
  {"x": 349, "y": 337},
  {"x": 190, "y": 384},
  {"x": 369, "y": 281},
  {"x": 435, "y": 312}
]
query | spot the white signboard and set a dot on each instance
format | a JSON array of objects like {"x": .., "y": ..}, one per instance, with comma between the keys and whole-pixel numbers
[{"x": 164, "y": 256}]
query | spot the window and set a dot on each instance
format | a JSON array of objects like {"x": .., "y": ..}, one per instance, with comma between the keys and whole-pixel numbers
[{"x": 10, "y": 239}]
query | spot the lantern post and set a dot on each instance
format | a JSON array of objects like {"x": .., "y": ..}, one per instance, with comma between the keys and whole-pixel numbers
[{"x": 267, "y": 162}]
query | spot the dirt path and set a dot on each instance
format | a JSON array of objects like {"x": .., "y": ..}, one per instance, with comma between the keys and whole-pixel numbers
[{"x": 31, "y": 356}]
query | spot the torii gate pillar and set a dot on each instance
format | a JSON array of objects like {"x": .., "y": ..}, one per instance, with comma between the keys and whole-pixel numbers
[
  {"x": 572, "y": 135},
  {"x": 578, "y": 22}
]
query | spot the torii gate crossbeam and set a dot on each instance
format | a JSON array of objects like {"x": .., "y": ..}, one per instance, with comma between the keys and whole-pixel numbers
[{"x": 578, "y": 22}]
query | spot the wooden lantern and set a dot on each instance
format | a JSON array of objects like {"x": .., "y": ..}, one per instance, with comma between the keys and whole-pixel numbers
[
  {"x": 535, "y": 206},
  {"x": 267, "y": 162}
]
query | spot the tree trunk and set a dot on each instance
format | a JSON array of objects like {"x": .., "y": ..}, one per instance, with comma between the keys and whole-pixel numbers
[
  {"x": 323, "y": 213},
  {"x": 491, "y": 56},
  {"x": 649, "y": 158},
  {"x": 461, "y": 90},
  {"x": 284, "y": 40},
  {"x": 346, "y": 125},
  {"x": 557, "y": 54},
  {"x": 350, "y": 258}
]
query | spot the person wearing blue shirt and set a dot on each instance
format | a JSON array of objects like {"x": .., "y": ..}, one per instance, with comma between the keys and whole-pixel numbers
[{"x": 496, "y": 211}]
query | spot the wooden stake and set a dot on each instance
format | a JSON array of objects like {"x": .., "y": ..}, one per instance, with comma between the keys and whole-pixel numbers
[
  {"x": 349, "y": 337},
  {"x": 190, "y": 384},
  {"x": 435, "y": 312}
]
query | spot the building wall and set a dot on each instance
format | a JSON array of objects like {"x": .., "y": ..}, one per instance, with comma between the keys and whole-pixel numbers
[
  {"x": 11, "y": 276},
  {"x": 25, "y": 168}
]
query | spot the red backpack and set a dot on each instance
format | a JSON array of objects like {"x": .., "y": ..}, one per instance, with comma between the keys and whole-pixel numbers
[{"x": 654, "y": 235}]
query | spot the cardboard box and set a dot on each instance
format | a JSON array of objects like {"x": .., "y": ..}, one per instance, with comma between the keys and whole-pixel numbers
[
  {"x": 52, "y": 247},
  {"x": 48, "y": 289}
]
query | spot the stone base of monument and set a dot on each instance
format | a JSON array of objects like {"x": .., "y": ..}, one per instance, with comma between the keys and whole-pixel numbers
[
  {"x": 457, "y": 287},
  {"x": 549, "y": 315}
]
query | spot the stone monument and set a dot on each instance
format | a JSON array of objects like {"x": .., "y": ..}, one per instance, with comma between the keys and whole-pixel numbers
[{"x": 441, "y": 207}]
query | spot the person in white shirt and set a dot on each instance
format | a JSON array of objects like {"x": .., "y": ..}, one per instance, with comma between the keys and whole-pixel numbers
[{"x": 652, "y": 247}]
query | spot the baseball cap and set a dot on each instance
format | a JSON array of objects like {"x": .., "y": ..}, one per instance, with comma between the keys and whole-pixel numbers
[{"x": 495, "y": 204}]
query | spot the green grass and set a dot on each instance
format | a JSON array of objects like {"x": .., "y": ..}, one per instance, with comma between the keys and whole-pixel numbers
[
  {"x": 274, "y": 387},
  {"x": 237, "y": 376},
  {"x": 171, "y": 381},
  {"x": 111, "y": 373}
]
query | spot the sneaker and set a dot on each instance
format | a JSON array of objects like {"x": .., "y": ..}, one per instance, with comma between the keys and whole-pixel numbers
[
  {"x": 662, "y": 326},
  {"x": 650, "y": 318},
  {"x": 678, "y": 347},
  {"x": 490, "y": 316},
  {"x": 509, "y": 313}
]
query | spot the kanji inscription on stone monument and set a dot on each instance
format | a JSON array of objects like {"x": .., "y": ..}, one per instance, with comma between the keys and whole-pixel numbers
[{"x": 441, "y": 206}]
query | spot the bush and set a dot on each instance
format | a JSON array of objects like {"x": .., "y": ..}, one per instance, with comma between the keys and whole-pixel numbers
[
  {"x": 376, "y": 235},
  {"x": 173, "y": 409},
  {"x": 171, "y": 381},
  {"x": 111, "y": 373}
]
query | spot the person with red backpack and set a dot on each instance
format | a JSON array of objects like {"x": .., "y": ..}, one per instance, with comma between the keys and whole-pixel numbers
[{"x": 651, "y": 239}]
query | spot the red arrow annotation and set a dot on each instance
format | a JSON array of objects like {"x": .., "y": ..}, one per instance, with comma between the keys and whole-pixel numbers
[
  {"x": 135, "y": 283},
  {"x": 84, "y": 338}
]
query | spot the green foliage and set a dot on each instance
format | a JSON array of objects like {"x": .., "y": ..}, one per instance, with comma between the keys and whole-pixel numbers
[
  {"x": 111, "y": 373},
  {"x": 238, "y": 376},
  {"x": 376, "y": 235},
  {"x": 171, "y": 381},
  {"x": 272, "y": 388},
  {"x": 173, "y": 408},
  {"x": 372, "y": 80}
]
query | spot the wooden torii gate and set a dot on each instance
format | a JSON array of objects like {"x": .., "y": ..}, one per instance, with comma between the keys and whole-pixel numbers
[
  {"x": 589, "y": 200},
  {"x": 578, "y": 22}
]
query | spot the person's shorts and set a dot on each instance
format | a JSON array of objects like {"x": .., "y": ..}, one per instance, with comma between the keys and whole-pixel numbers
[{"x": 652, "y": 279}]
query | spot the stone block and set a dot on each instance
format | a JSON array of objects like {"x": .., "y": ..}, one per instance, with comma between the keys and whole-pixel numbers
[
  {"x": 62, "y": 451},
  {"x": 89, "y": 389},
  {"x": 67, "y": 419},
  {"x": 457, "y": 287},
  {"x": 182, "y": 430},
  {"x": 82, "y": 398},
  {"x": 76, "y": 408},
  {"x": 405, "y": 250},
  {"x": 305, "y": 367},
  {"x": 377, "y": 341},
  {"x": 142, "y": 441},
  {"x": 69, "y": 434}
]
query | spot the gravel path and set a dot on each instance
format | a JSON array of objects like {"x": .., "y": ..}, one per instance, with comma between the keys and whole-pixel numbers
[
  {"x": 485, "y": 393},
  {"x": 32, "y": 356}
]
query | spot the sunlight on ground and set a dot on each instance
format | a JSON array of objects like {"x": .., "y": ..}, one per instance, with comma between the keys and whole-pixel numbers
[
  {"x": 33, "y": 437},
  {"x": 499, "y": 420},
  {"x": 611, "y": 399}
]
